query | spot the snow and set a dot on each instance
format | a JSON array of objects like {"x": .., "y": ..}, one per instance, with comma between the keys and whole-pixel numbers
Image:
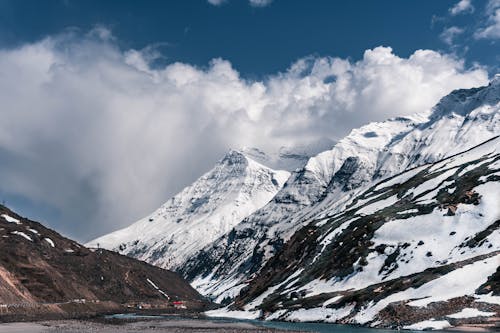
[
  {"x": 489, "y": 298},
  {"x": 400, "y": 179},
  {"x": 202, "y": 212},
  {"x": 393, "y": 146},
  {"x": 319, "y": 314},
  {"x": 157, "y": 288},
  {"x": 152, "y": 283},
  {"x": 428, "y": 324},
  {"x": 226, "y": 313},
  {"x": 460, "y": 282},
  {"x": 33, "y": 231},
  {"x": 50, "y": 241},
  {"x": 258, "y": 301},
  {"x": 243, "y": 197},
  {"x": 409, "y": 211},
  {"x": 10, "y": 219},
  {"x": 470, "y": 313},
  {"x": 276, "y": 315},
  {"x": 332, "y": 300},
  {"x": 223, "y": 288},
  {"x": 435, "y": 229},
  {"x": 378, "y": 205},
  {"x": 431, "y": 184},
  {"x": 22, "y": 234}
]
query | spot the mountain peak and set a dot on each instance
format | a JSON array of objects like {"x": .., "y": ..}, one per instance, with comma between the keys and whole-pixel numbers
[
  {"x": 236, "y": 187},
  {"x": 234, "y": 156},
  {"x": 464, "y": 101},
  {"x": 290, "y": 157},
  {"x": 496, "y": 79}
]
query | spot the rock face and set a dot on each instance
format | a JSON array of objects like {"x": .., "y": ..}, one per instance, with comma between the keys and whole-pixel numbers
[
  {"x": 42, "y": 272},
  {"x": 330, "y": 180},
  {"x": 200, "y": 214}
]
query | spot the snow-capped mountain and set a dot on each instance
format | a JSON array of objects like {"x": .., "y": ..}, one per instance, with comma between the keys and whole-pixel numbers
[
  {"x": 418, "y": 250},
  {"x": 201, "y": 213},
  {"x": 253, "y": 241},
  {"x": 336, "y": 240},
  {"x": 330, "y": 180}
]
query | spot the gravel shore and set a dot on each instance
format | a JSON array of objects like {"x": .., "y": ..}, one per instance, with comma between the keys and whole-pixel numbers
[{"x": 149, "y": 326}]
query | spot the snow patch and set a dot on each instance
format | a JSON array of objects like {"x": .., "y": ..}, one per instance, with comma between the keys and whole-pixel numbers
[
  {"x": 488, "y": 298},
  {"x": 331, "y": 300},
  {"x": 22, "y": 234},
  {"x": 470, "y": 313},
  {"x": 10, "y": 219},
  {"x": 50, "y": 241},
  {"x": 319, "y": 314},
  {"x": 428, "y": 324},
  {"x": 226, "y": 313},
  {"x": 157, "y": 288}
]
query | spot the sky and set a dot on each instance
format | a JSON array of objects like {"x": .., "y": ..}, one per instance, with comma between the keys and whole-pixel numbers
[{"x": 111, "y": 107}]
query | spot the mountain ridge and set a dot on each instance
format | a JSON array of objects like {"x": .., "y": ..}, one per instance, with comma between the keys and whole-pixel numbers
[{"x": 372, "y": 152}]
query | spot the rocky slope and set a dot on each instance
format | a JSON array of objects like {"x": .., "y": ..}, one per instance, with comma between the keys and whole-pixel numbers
[
  {"x": 201, "y": 213},
  {"x": 44, "y": 273},
  {"x": 330, "y": 180},
  {"x": 418, "y": 250}
]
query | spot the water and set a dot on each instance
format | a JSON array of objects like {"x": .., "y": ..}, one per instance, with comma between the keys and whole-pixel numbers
[
  {"x": 282, "y": 325},
  {"x": 322, "y": 328}
]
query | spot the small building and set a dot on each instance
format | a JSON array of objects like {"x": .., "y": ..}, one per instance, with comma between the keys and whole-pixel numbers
[{"x": 180, "y": 305}]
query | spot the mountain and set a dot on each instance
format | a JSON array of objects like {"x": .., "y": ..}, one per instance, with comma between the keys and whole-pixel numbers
[
  {"x": 43, "y": 274},
  {"x": 253, "y": 241},
  {"x": 201, "y": 213},
  {"x": 366, "y": 232},
  {"x": 330, "y": 181},
  {"x": 418, "y": 250}
]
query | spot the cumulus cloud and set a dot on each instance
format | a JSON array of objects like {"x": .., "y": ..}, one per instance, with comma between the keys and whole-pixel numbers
[
  {"x": 104, "y": 137},
  {"x": 463, "y": 6},
  {"x": 449, "y": 34},
  {"x": 491, "y": 30}
]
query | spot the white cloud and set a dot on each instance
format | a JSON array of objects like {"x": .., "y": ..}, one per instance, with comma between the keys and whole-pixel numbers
[
  {"x": 216, "y": 2},
  {"x": 463, "y": 6},
  {"x": 449, "y": 34},
  {"x": 260, "y": 3},
  {"x": 492, "y": 28},
  {"x": 105, "y": 138}
]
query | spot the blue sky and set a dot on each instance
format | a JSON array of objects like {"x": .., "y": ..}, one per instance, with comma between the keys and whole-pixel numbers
[
  {"x": 257, "y": 40},
  {"x": 110, "y": 107}
]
